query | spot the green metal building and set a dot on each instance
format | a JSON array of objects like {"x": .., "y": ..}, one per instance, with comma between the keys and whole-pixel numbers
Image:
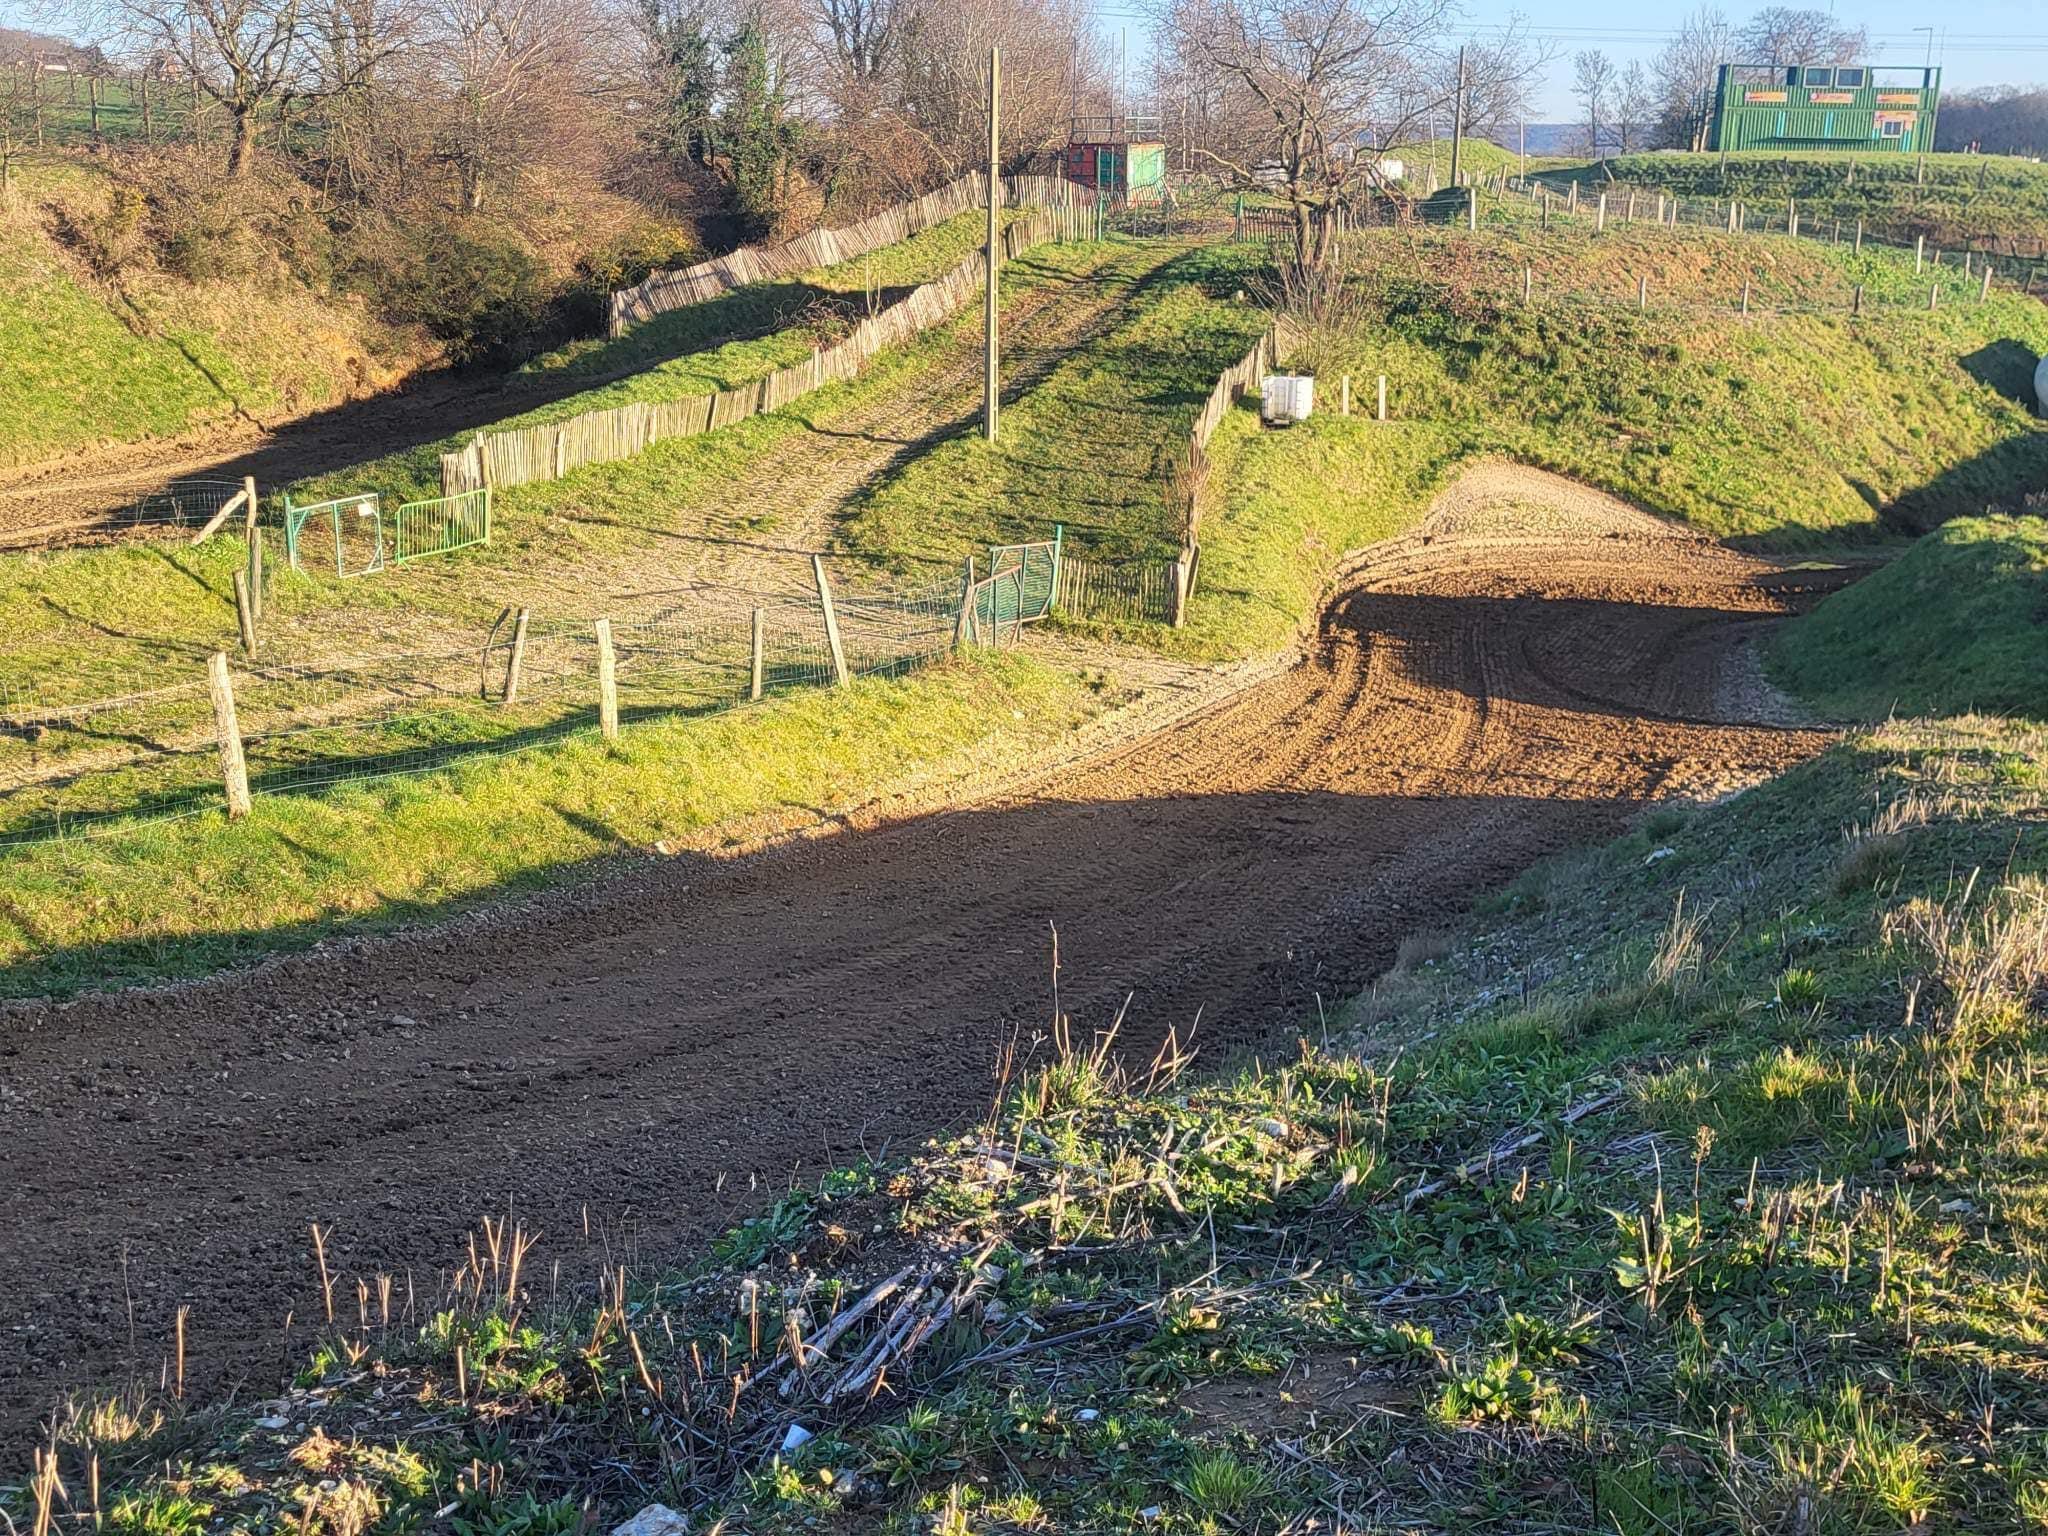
[{"x": 1824, "y": 106}]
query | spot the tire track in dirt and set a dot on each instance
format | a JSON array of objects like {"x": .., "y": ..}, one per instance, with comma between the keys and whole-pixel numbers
[{"x": 666, "y": 1048}]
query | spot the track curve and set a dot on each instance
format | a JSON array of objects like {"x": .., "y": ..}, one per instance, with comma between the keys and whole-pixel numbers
[{"x": 628, "y": 1071}]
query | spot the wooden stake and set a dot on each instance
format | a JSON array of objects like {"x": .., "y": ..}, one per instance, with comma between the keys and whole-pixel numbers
[
  {"x": 1472, "y": 208},
  {"x": 1919, "y": 253},
  {"x": 1856, "y": 303},
  {"x": 1642, "y": 293},
  {"x": 245, "y": 613},
  {"x": 234, "y": 768},
  {"x": 1934, "y": 295},
  {"x": 1383, "y": 397},
  {"x": 963, "y": 626},
  {"x": 607, "y": 683},
  {"x": 1528, "y": 281},
  {"x": 1346, "y": 409},
  {"x": 994, "y": 250},
  {"x": 831, "y": 621},
  {"x": 516, "y": 665},
  {"x": 1984, "y": 292},
  {"x": 757, "y": 667},
  {"x": 1859, "y": 237},
  {"x": 1600, "y": 214},
  {"x": 1745, "y": 293}
]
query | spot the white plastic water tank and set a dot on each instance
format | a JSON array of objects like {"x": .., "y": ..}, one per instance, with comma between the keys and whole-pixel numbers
[
  {"x": 2041, "y": 386},
  {"x": 1285, "y": 398}
]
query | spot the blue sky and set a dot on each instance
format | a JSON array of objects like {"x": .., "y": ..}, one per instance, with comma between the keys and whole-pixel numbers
[{"x": 1988, "y": 42}]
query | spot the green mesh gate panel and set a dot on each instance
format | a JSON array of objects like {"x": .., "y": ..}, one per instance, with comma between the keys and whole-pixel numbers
[
  {"x": 353, "y": 529},
  {"x": 442, "y": 525},
  {"x": 1036, "y": 569}
]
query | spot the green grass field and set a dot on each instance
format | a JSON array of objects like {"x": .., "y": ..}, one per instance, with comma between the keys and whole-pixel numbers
[{"x": 1735, "y": 1222}]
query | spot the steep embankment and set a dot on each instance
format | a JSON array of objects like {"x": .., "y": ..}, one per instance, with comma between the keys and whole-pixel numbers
[
  {"x": 1958, "y": 624},
  {"x": 103, "y": 345}
]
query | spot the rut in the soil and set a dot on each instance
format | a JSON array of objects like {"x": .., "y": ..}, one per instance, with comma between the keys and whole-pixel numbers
[{"x": 671, "y": 1047}]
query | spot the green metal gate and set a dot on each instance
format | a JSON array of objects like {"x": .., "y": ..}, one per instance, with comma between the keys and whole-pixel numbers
[
  {"x": 1036, "y": 567},
  {"x": 442, "y": 525},
  {"x": 355, "y": 531}
]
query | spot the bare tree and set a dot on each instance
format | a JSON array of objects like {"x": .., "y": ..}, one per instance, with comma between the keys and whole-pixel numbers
[
  {"x": 248, "y": 55},
  {"x": 1685, "y": 71},
  {"x": 1593, "y": 76},
  {"x": 1635, "y": 107},
  {"x": 864, "y": 33},
  {"x": 505, "y": 66},
  {"x": 1316, "y": 91},
  {"x": 20, "y": 109},
  {"x": 1784, "y": 35}
]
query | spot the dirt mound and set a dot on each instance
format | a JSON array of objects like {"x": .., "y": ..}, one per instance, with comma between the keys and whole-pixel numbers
[{"x": 638, "y": 1063}]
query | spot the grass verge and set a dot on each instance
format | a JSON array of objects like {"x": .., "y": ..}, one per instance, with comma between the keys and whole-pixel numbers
[
  {"x": 1697, "y": 1183},
  {"x": 1957, "y": 624},
  {"x": 186, "y": 897}
]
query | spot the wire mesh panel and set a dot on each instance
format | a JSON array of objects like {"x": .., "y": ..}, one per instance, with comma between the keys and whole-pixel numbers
[
  {"x": 442, "y": 525},
  {"x": 351, "y": 527},
  {"x": 181, "y": 504},
  {"x": 1037, "y": 569}
]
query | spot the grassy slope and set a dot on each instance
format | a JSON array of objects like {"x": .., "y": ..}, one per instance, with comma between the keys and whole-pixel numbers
[
  {"x": 187, "y": 896},
  {"x": 1979, "y": 199},
  {"x": 1091, "y": 445},
  {"x": 729, "y": 341},
  {"x": 1752, "y": 1253},
  {"x": 86, "y": 366},
  {"x": 1959, "y": 622},
  {"x": 1793, "y": 432}
]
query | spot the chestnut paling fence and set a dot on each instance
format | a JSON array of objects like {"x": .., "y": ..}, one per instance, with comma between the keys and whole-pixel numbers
[
  {"x": 664, "y": 291},
  {"x": 552, "y": 449}
]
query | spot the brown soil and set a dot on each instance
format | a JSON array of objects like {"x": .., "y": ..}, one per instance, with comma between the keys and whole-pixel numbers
[{"x": 627, "y": 1067}]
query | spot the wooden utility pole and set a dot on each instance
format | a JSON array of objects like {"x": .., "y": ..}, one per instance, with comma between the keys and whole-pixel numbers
[
  {"x": 995, "y": 197},
  {"x": 1458, "y": 117}
]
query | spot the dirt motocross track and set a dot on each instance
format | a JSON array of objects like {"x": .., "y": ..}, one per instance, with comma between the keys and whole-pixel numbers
[{"x": 1524, "y": 674}]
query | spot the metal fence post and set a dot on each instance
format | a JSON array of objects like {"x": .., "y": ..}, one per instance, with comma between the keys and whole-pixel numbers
[
  {"x": 831, "y": 621},
  {"x": 607, "y": 683},
  {"x": 234, "y": 768}
]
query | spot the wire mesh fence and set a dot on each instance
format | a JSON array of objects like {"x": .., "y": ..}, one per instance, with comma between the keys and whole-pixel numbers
[{"x": 143, "y": 754}]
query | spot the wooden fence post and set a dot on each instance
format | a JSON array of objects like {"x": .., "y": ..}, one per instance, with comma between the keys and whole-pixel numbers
[
  {"x": 1856, "y": 303},
  {"x": 1346, "y": 409},
  {"x": 249, "y": 507},
  {"x": 1985, "y": 292},
  {"x": 1383, "y": 397},
  {"x": 963, "y": 626},
  {"x": 831, "y": 621},
  {"x": 1919, "y": 254},
  {"x": 1180, "y": 589},
  {"x": 561, "y": 451},
  {"x": 1859, "y": 237},
  {"x": 1934, "y": 295},
  {"x": 1745, "y": 293},
  {"x": 515, "y": 666},
  {"x": 256, "y": 574},
  {"x": 245, "y": 614},
  {"x": 757, "y": 666},
  {"x": 1642, "y": 293},
  {"x": 234, "y": 768},
  {"x": 1528, "y": 281},
  {"x": 1600, "y": 214},
  {"x": 607, "y": 683}
]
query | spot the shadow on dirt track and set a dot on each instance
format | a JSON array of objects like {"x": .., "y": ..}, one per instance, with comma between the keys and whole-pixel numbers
[{"x": 666, "y": 1049}]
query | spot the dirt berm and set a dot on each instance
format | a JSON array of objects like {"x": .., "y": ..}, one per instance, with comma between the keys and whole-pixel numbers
[{"x": 627, "y": 1070}]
